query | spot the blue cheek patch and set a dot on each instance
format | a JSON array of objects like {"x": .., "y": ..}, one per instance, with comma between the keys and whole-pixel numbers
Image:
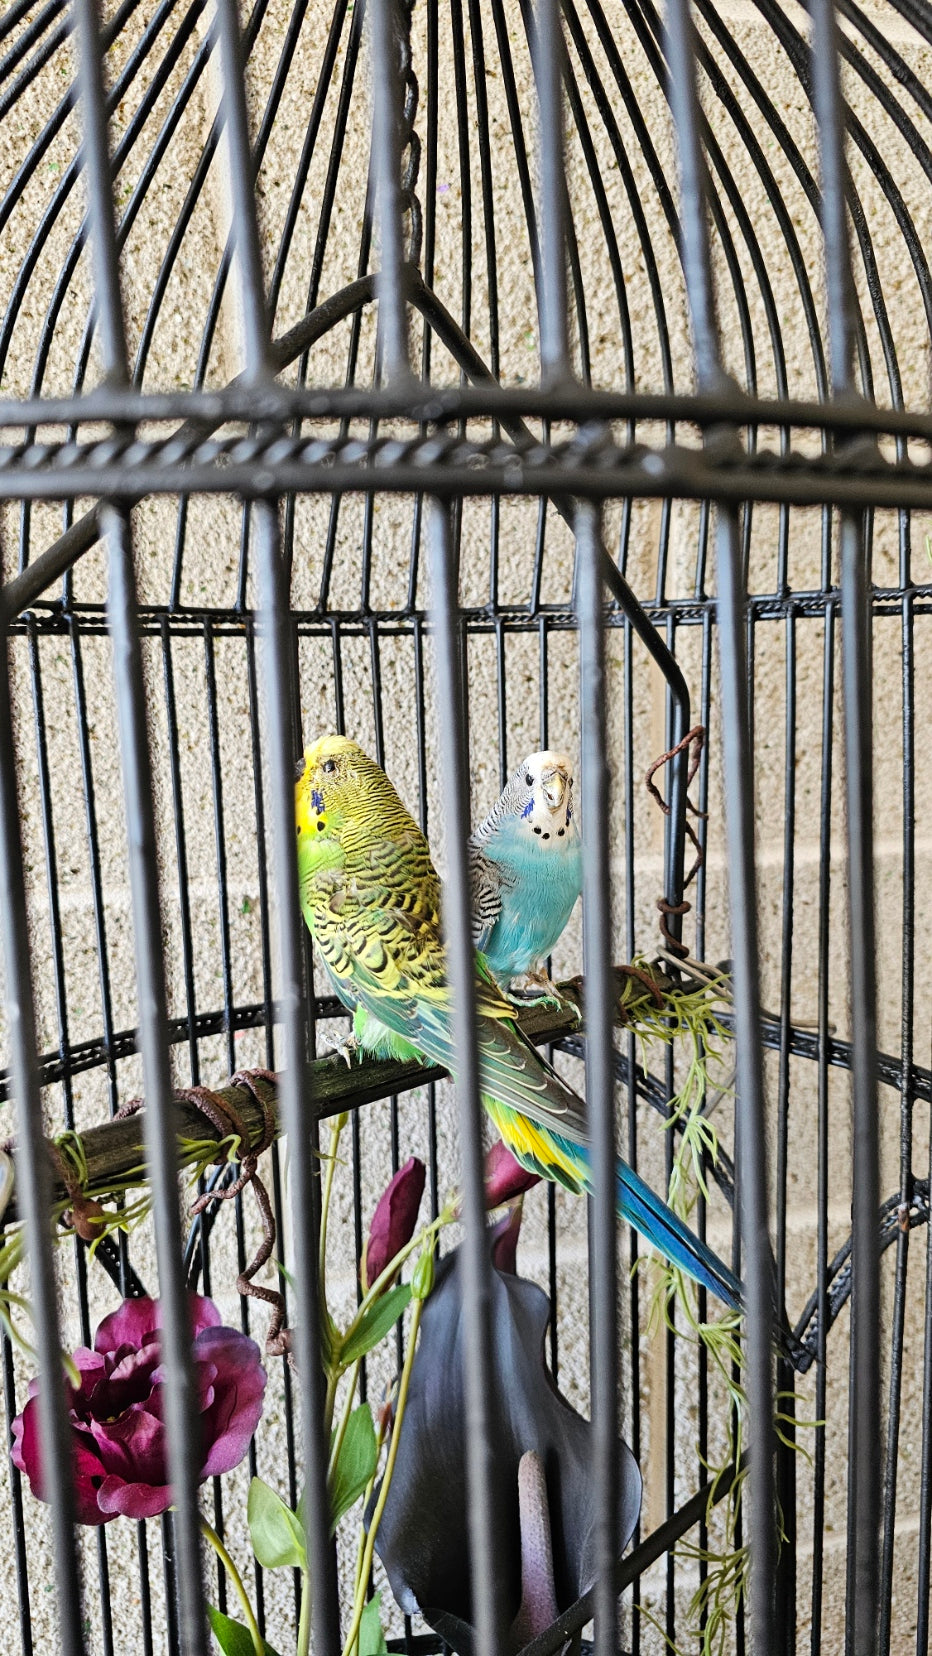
[
  {"x": 527, "y": 809},
  {"x": 569, "y": 818},
  {"x": 317, "y": 800}
]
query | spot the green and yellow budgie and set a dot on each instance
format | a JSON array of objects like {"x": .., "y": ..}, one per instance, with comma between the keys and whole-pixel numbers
[{"x": 371, "y": 898}]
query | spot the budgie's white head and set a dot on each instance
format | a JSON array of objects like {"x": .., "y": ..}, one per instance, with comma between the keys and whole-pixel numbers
[{"x": 539, "y": 793}]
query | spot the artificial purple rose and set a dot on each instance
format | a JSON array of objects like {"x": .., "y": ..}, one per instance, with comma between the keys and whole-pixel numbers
[
  {"x": 116, "y": 1411},
  {"x": 394, "y": 1219},
  {"x": 505, "y": 1178}
]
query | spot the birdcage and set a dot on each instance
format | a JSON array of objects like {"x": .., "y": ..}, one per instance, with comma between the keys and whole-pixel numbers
[{"x": 473, "y": 380}]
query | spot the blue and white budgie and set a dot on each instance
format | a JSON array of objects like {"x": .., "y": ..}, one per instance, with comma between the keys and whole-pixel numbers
[{"x": 526, "y": 870}]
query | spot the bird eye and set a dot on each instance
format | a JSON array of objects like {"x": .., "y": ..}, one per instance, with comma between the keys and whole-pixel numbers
[
  {"x": 529, "y": 780},
  {"x": 329, "y": 765}
]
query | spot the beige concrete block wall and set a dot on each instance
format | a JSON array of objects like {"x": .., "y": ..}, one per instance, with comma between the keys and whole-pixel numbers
[{"x": 208, "y": 585}]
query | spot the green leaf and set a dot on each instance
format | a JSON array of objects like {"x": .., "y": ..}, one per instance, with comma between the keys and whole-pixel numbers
[
  {"x": 233, "y": 1638},
  {"x": 371, "y": 1637},
  {"x": 380, "y": 1317},
  {"x": 355, "y": 1464},
  {"x": 276, "y": 1534},
  {"x": 329, "y": 1340},
  {"x": 285, "y": 1274}
]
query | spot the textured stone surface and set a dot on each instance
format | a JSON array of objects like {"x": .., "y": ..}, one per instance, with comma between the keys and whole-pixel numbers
[{"x": 665, "y": 552}]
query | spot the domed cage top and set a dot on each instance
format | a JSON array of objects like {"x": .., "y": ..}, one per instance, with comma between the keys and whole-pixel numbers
[{"x": 476, "y": 380}]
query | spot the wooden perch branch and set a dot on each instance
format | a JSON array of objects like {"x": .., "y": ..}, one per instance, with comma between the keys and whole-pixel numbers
[{"x": 114, "y": 1151}]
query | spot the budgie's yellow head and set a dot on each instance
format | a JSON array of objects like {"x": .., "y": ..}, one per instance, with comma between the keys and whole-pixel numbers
[
  {"x": 340, "y": 786},
  {"x": 356, "y": 837},
  {"x": 327, "y": 786}
]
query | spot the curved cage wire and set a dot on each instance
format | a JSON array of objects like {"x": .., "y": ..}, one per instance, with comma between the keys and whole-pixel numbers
[{"x": 479, "y": 379}]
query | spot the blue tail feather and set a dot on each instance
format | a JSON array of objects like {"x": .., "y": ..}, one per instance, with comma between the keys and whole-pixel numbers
[
  {"x": 655, "y": 1220},
  {"x": 660, "y": 1225}
]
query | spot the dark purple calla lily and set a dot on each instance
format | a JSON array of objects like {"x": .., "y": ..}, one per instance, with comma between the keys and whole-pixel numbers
[
  {"x": 394, "y": 1218},
  {"x": 503, "y": 1239},
  {"x": 547, "y": 1535},
  {"x": 117, "y": 1429},
  {"x": 505, "y": 1178}
]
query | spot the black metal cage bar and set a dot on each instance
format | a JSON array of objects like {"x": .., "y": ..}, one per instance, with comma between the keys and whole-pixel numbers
[
  {"x": 597, "y": 955},
  {"x": 483, "y": 1428}
]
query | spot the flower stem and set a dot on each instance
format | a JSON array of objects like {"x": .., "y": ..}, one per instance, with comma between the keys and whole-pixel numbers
[
  {"x": 339, "y": 1122},
  {"x": 303, "y": 1645},
  {"x": 394, "y": 1266},
  {"x": 362, "y": 1576},
  {"x": 358, "y": 1577},
  {"x": 210, "y": 1534},
  {"x": 333, "y": 1380},
  {"x": 344, "y": 1418}
]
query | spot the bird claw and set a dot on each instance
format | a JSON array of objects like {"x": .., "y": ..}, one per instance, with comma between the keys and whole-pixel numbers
[
  {"x": 347, "y": 1049},
  {"x": 535, "y": 989}
]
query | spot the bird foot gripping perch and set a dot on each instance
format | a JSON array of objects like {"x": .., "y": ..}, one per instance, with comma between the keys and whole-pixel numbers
[
  {"x": 348, "y": 1049},
  {"x": 535, "y": 989}
]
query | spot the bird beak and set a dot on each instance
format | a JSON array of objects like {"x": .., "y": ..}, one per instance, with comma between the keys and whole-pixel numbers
[{"x": 554, "y": 784}]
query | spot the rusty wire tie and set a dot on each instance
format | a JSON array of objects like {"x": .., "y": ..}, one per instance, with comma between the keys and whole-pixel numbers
[
  {"x": 694, "y": 740},
  {"x": 225, "y": 1117}
]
